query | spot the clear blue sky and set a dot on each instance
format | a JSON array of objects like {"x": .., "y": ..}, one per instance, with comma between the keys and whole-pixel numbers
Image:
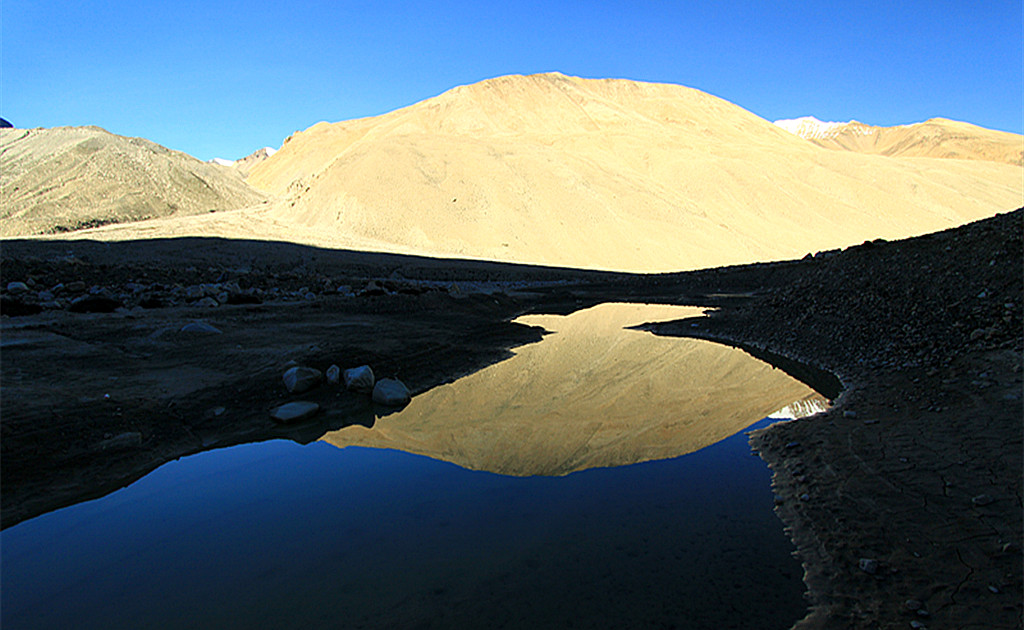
[{"x": 221, "y": 79}]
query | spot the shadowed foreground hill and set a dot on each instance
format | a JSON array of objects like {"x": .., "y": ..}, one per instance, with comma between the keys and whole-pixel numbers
[{"x": 67, "y": 178}]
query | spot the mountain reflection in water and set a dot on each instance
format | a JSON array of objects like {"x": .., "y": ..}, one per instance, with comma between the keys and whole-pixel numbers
[{"x": 591, "y": 394}]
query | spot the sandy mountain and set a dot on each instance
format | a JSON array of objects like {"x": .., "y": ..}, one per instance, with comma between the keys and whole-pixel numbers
[
  {"x": 937, "y": 138},
  {"x": 66, "y": 178},
  {"x": 608, "y": 174}
]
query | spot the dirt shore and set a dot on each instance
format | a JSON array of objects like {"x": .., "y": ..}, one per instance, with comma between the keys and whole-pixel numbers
[{"x": 904, "y": 501}]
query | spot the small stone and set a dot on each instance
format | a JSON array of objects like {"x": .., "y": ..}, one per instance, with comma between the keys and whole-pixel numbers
[
  {"x": 993, "y": 588},
  {"x": 359, "y": 379},
  {"x": 917, "y": 625},
  {"x": 200, "y": 327},
  {"x": 792, "y": 445},
  {"x": 805, "y": 497},
  {"x": 16, "y": 288},
  {"x": 76, "y": 286},
  {"x": 913, "y": 604},
  {"x": 982, "y": 499},
  {"x": 206, "y": 302},
  {"x": 849, "y": 414},
  {"x": 334, "y": 375},
  {"x": 391, "y": 392},
  {"x": 868, "y": 565},
  {"x": 299, "y": 379},
  {"x": 295, "y": 411}
]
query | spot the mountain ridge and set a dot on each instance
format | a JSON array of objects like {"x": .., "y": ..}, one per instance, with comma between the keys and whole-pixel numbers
[
  {"x": 591, "y": 173},
  {"x": 935, "y": 137}
]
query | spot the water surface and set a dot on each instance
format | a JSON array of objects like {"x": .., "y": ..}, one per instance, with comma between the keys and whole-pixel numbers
[{"x": 571, "y": 534}]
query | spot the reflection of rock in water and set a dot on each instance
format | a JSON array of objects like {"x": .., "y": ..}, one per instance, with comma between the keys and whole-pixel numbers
[
  {"x": 591, "y": 394},
  {"x": 808, "y": 406}
]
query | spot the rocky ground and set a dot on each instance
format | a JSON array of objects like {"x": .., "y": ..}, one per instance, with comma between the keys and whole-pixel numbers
[{"x": 904, "y": 500}]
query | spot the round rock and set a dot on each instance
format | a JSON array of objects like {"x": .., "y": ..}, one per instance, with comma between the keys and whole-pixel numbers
[
  {"x": 391, "y": 392},
  {"x": 299, "y": 379},
  {"x": 359, "y": 379}
]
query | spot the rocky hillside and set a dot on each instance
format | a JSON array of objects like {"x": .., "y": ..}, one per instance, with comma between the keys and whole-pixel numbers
[{"x": 68, "y": 178}]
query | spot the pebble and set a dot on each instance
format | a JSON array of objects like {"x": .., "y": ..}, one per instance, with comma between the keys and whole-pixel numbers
[
  {"x": 917, "y": 625},
  {"x": 849, "y": 414},
  {"x": 295, "y": 411},
  {"x": 207, "y": 302},
  {"x": 200, "y": 327},
  {"x": 16, "y": 288},
  {"x": 993, "y": 588},
  {"x": 334, "y": 375},
  {"x": 982, "y": 499},
  {"x": 868, "y": 565}
]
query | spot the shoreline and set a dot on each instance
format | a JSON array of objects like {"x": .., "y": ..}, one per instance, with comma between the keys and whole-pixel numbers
[{"x": 917, "y": 468}]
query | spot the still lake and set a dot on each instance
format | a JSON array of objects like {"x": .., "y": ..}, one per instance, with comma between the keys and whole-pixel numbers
[{"x": 526, "y": 495}]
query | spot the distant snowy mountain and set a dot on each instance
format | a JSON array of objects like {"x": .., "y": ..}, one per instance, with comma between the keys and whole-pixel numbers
[
  {"x": 244, "y": 165},
  {"x": 810, "y": 128},
  {"x": 934, "y": 138}
]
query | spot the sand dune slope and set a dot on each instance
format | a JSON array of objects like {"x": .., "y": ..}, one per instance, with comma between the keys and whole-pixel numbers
[
  {"x": 937, "y": 137},
  {"x": 607, "y": 174},
  {"x": 65, "y": 178}
]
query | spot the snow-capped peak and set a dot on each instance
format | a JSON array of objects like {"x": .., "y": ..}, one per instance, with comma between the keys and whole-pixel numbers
[
  {"x": 811, "y": 127},
  {"x": 270, "y": 151},
  {"x": 223, "y": 162}
]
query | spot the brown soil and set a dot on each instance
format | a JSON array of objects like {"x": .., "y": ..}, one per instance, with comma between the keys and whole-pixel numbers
[{"x": 917, "y": 468}]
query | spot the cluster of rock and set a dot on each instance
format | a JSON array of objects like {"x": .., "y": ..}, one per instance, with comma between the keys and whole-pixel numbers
[
  {"x": 390, "y": 392},
  {"x": 29, "y": 297}
]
